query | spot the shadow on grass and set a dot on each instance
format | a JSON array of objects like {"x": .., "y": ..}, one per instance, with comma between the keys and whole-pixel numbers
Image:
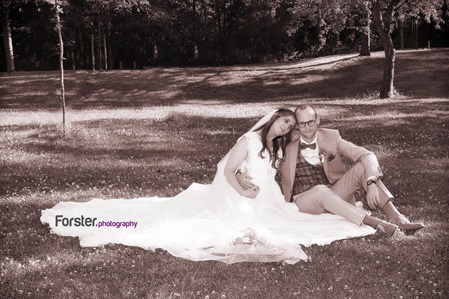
[
  {"x": 140, "y": 157},
  {"x": 346, "y": 78}
]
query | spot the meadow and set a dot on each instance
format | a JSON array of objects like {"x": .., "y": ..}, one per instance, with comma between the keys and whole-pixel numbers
[{"x": 154, "y": 132}]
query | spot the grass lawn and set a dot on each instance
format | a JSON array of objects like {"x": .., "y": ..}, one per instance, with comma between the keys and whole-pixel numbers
[{"x": 154, "y": 132}]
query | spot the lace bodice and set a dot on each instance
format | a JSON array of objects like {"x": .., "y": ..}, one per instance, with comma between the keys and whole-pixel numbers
[{"x": 258, "y": 167}]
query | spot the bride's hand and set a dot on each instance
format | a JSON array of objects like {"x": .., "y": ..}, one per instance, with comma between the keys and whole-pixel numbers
[
  {"x": 251, "y": 192},
  {"x": 295, "y": 134}
]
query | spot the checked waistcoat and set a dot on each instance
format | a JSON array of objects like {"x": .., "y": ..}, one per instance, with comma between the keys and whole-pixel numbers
[{"x": 308, "y": 176}]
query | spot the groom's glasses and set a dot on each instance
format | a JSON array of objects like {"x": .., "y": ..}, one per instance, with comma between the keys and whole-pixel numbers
[{"x": 310, "y": 123}]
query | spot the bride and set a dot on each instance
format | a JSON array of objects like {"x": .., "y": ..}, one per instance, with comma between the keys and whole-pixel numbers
[{"x": 220, "y": 221}]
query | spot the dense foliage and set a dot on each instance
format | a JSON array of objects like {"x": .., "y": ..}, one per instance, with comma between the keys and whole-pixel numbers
[{"x": 140, "y": 33}]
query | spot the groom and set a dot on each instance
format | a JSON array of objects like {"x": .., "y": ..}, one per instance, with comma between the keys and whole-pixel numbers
[{"x": 314, "y": 161}]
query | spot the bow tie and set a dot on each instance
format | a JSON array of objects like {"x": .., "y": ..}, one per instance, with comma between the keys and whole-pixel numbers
[{"x": 305, "y": 145}]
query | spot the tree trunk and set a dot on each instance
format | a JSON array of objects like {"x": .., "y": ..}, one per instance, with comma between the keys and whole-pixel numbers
[
  {"x": 72, "y": 58},
  {"x": 61, "y": 63},
  {"x": 414, "y": 36},
  {"x": 321, "y": 38},
  {"x": 366, "y": 42},
  {"x": 401, "y": 32},
  {"x": 366, "y": 35},
  {"x": 99, "y": 48},
  {"x": 384, "y": 27},
  {"x": 7, "y": 40},
  {"x": 105, "y": 50},
  {"x": 195, "y": 50},
  {"x": 195, "y": 53},
  {"x": 111, "y": 58},
  {"x": 387, "y": 87},
  {"x": 155, "y": 53},
  {"x": 92, "y": 46},
  {"x": 219, "y": 29},
  {"x": 80, "y": 55}
]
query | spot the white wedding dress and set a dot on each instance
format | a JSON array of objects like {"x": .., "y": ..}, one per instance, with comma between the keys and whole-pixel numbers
[{"x": 211, "y": 222}]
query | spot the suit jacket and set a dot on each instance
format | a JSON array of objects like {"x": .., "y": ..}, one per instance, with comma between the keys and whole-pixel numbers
[{"x": 331, "y": 148}]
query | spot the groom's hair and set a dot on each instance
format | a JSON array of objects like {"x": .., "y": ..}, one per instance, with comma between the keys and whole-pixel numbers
[{"x": 305, "y": 106}]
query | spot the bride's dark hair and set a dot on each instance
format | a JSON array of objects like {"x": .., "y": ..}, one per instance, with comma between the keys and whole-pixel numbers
[{"x": 279, "y": 142}]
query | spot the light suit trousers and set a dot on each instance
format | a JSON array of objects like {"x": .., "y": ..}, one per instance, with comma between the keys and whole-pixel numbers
[{"x": 339, "y": 198}]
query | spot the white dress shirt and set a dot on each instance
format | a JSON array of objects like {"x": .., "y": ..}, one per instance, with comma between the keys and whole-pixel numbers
[{"x": 311, "y": 155}]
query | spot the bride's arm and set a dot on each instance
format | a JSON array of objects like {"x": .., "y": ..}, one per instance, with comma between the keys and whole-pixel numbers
[{"x": 236, "y": 157}]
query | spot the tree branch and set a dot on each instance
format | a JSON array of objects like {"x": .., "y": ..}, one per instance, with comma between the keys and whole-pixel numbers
[
  {"x": 378, "y": 20},
  {"x": 389, "y": 14},
  {"x": 399, "y": 6}
]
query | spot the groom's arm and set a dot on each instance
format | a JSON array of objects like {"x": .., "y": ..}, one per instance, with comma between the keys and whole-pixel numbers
[
  {"x": 244, "y": 180},
  {"x": 358, "y": 153},
  {"x": 370, "y": 165}
]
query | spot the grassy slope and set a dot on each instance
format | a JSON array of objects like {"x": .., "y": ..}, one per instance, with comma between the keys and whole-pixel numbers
[{"x": 144, "y": 133}]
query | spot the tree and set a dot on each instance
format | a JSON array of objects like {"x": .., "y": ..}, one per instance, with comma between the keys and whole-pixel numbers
[
  {"x": 326, "y": 18},
  {"x": 7, "y": 37},
  {"x": 384, "y": 25},
  {"x": 181, "y": 32},
  {"x": 330, "y": 14},
  {"x": 61, "y": 61},
  {"x": 366, "y": 31},
  {"x": 384, "y": 13}
]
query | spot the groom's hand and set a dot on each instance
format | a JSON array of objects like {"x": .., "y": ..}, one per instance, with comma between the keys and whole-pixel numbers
[
  {"x": 251, "y": 193},
  {"x": 245, "y": 180},
  {"x": 372, "y": 196}
]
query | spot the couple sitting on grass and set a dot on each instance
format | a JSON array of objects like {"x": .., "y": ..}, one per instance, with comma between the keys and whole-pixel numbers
[{"x": 243, "y": 215}]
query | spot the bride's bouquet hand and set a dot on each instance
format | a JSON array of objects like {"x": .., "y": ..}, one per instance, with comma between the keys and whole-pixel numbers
[{"x": 251, "y": 192}]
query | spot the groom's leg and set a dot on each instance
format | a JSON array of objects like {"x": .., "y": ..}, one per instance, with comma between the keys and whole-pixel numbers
[
  {"x": 320, "y": 199},
  {"x": 353, "y": 180}
]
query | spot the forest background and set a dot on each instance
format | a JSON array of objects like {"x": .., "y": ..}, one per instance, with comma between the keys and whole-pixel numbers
[{"x": 137, "y": 34}]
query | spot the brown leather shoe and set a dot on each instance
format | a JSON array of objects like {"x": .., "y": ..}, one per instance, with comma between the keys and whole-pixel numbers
[
  {"x": 387, "y": 228},
  {"x": 405, "y": 224}
]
